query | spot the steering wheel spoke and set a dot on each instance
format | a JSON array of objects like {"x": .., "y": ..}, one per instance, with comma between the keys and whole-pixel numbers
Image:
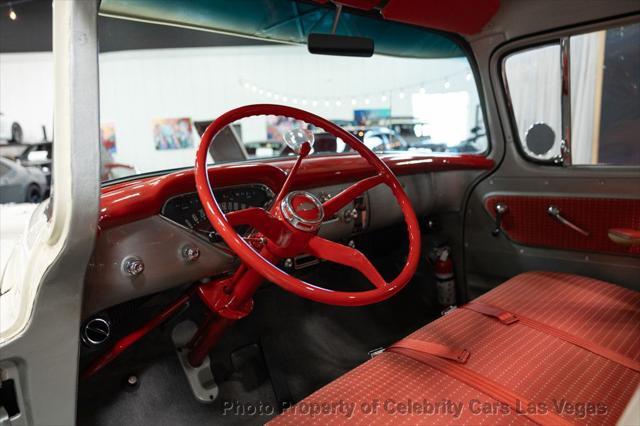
[
  {"x": 262, "y": 221},
  {"x": 333, "y": 205},
  {"x": 347, "y": 256}
]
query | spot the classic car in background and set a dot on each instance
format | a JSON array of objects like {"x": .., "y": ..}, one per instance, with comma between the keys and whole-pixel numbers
[{"x": 20, "y": 184}]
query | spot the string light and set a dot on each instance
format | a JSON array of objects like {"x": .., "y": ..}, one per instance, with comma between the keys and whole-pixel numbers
[
  {"x": 12, "y": 14},
  {"x": 384, "y": 96}
]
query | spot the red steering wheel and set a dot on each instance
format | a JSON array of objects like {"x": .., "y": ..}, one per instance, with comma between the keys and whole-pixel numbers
[{"x": 289, "y": 228}]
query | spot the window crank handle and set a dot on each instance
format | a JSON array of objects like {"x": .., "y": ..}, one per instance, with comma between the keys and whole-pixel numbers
[{"x": 501, "y": 209}]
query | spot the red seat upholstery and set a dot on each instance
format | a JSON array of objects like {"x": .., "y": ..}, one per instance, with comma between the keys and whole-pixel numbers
[{"x": 565, "y": 379}]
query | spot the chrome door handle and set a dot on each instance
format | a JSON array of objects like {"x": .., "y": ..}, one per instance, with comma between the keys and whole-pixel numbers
[{"x": 554, "y": 212}]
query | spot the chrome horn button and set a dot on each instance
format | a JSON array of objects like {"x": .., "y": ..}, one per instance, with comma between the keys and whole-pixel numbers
[{"x": 302, "y": 210}]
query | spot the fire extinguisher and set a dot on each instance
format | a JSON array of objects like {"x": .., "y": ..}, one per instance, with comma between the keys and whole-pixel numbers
[{"x": 445, "y": 280}]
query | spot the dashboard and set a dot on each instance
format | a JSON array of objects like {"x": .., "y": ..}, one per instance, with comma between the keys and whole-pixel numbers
[
  {"x": 154, "y": 220},
  {"x": 186, "y": 209}
]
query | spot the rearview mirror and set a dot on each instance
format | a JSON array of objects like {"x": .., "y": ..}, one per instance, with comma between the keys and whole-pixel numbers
[{"x": 339, "y": 45}]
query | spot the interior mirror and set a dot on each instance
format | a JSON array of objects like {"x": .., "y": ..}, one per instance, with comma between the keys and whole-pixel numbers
[
  {"x": 540, "y": 138},
  {"x": 296, "y": 137},
  {"x": 339, "y": 45}
]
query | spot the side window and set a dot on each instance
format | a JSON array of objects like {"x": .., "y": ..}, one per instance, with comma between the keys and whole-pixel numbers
[{"x": 592, "y": 116}]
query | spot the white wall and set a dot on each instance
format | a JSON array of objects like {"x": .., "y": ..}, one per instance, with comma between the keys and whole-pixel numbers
[
  {"x": 26, "y": 92},
  {"x": 202, "y": 83}
]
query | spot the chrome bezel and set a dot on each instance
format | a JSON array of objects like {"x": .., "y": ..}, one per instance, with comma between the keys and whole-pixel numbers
[{"x": 298, "y": 222}]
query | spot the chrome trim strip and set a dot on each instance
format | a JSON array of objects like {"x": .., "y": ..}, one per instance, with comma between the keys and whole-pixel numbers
[{"x": 565, "y": 101}]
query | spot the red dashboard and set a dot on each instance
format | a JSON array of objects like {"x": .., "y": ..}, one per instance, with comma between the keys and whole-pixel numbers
[{"x": 140, "y": 198}]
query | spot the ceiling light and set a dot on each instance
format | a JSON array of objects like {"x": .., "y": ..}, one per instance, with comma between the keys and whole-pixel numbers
[
  {"x": 338, "y": 102},
  {"x": 447, "y": 84},
  {"x": 401, "y": 95},
  {"x": 384, "y": 98},
  {"x": 367, "y": 101},
  {"x": 468, "y": 77},
  {"x": 12, "y": 14}
]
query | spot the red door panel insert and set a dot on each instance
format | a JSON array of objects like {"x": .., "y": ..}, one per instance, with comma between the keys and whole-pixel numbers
[{"x": 527, "y": 222}]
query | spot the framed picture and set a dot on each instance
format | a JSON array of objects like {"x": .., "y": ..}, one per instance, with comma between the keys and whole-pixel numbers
[
  {"x": 369, "y": 116},
  {"x": 172, "y": 133}
]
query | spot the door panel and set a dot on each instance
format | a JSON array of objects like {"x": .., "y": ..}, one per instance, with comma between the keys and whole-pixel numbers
[
  {"x": 597, "y": 197},
  {"x": 527, "y": 221}
]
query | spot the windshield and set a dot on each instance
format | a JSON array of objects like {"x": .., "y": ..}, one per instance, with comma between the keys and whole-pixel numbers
[{"x": 158, "y": 96}]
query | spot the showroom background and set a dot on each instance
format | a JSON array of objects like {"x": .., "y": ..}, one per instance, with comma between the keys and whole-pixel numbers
[{"x": 149, "y": 72}]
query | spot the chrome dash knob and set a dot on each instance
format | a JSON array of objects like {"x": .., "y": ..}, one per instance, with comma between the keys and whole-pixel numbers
[
  {"x": 133, "y": 266},
  {"x": 190, "y": 253}
]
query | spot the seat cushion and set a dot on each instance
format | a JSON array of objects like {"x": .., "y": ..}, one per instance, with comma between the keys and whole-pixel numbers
[{"x": 553, "y": 374}]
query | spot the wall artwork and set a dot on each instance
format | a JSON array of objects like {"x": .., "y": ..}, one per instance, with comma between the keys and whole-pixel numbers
[
  {"x": 277, "y": 125},
  {"x": 172, "y": 133},
  {"x": 369, "y": 116},
  {"x": 108, "y": 137}
]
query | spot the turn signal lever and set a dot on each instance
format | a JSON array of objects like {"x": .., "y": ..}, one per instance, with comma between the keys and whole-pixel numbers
[{"x": 501, "y": 209}]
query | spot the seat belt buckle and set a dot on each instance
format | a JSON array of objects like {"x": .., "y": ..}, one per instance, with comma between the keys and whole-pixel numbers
[
  {"x": 463, "y": 356},
  {"x": 507, "y": 317}
]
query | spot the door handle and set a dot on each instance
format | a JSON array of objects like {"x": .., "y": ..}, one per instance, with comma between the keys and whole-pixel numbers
[
  {"x": 625, "y": 236},
  {"x": 554, "y": 212}
]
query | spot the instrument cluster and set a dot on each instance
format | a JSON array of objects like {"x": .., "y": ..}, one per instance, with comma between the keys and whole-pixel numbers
[{"x": 187, "y": 211}]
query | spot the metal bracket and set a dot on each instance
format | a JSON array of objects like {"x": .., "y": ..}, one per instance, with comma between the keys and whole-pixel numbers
[{"x": 201, "y": 380}]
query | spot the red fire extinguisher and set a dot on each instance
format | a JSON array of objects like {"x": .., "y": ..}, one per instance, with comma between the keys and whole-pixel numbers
[{"x": 445, "y": 280}]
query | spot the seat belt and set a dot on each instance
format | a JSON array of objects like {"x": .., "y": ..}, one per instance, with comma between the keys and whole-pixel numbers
[
  {"x": 424, "y": 352},
  {"x": 507, "y": 318}
]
